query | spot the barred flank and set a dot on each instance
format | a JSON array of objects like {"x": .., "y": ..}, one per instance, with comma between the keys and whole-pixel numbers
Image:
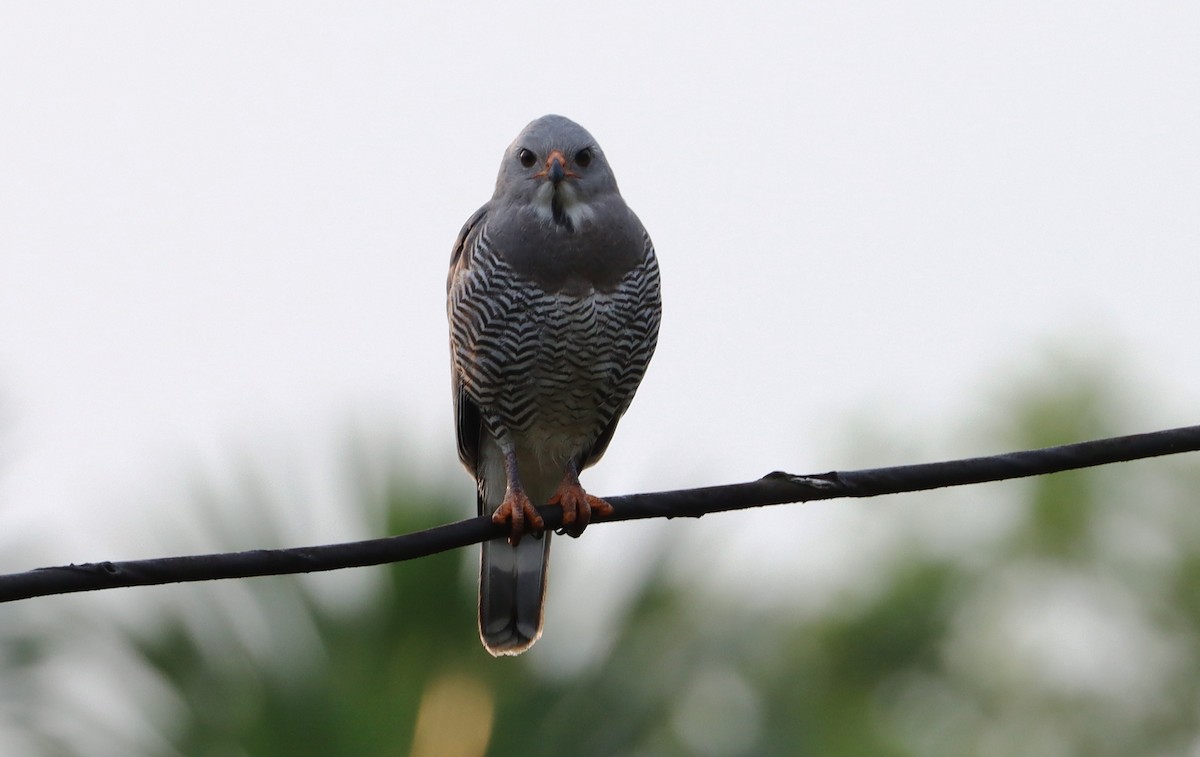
[{"x": 529, "y": 357}]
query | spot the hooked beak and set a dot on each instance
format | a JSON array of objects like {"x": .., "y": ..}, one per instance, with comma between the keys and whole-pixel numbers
[{"x": 556, "y": 168}]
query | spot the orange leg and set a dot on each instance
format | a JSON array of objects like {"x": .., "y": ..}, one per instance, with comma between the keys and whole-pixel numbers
[
  {"x": 516, "y": 507},
  {"x": 577, "y": 505}
]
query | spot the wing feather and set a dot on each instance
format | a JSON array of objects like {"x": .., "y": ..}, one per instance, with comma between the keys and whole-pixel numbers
[{"x": 467, "y": 420}]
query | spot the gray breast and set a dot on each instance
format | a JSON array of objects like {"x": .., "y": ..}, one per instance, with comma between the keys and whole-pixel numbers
[{"x": 561, "y": 362}]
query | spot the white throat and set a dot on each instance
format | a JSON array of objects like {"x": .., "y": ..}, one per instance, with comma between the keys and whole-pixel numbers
[{"x": 575, "y": 209}]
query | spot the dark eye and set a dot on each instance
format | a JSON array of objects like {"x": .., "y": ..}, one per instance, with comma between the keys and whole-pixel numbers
[
  {"x": 584, "y": 157},
  {"x": 526, "y": 157}
]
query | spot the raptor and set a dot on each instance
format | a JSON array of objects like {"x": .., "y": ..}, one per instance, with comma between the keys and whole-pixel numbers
[{"x": 554, "y": 304}]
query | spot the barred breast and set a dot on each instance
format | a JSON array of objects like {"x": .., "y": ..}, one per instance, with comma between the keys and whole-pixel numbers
[{"x": 552, "y": 370}]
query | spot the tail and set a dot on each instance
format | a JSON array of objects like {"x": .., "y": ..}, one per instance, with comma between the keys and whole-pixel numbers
[{"x": 512, "y": 591}]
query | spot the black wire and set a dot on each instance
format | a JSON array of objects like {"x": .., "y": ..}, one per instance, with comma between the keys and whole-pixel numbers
[{"x": 772, "y": 489}]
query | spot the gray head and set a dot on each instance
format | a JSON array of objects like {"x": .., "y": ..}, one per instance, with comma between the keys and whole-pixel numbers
[{"x": 555, "y": 166}]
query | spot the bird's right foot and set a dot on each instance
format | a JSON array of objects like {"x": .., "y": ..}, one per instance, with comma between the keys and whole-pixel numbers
[{"x": 520, "y": 512}]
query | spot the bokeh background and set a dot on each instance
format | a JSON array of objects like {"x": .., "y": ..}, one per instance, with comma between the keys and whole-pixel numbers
[{"x": 888, "y": 233}]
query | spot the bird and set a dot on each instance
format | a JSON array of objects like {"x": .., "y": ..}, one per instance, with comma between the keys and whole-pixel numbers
[{"x": 554, "y": 303}]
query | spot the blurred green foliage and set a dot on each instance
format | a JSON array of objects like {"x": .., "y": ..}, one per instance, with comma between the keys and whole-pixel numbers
[{"x": 1073, "y": 629}]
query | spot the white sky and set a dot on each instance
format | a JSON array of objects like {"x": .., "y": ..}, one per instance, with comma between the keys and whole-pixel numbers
[{"x": 224, "y": 227}]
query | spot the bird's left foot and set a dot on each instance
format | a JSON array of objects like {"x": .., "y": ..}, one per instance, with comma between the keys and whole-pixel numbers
[{"x": 578, "y": 506}]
